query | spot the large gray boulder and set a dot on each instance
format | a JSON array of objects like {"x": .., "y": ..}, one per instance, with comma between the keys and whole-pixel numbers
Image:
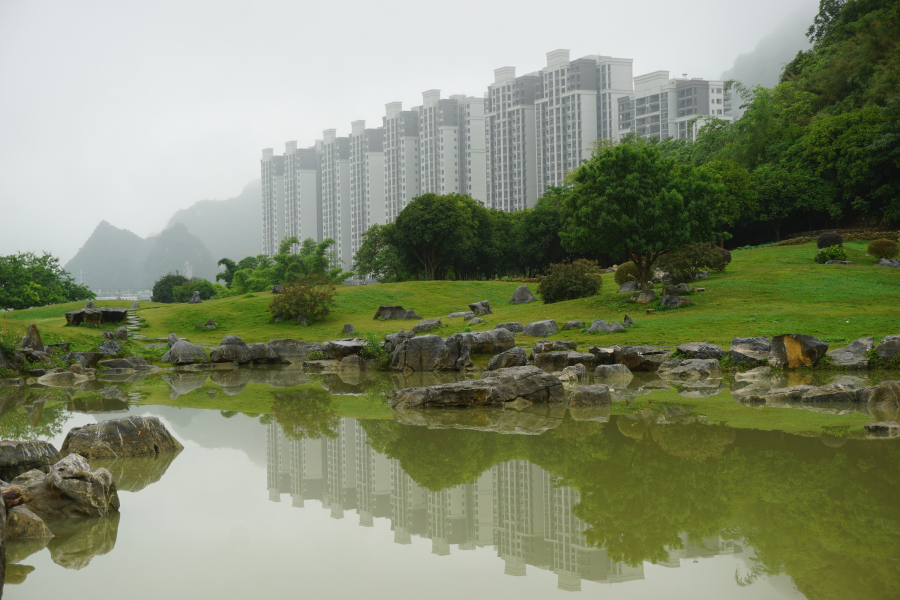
[
  {"x": 493, "y": 389},
  {"x": 513, "y": 327},
  {"x": 888, "y": 348},
  {"x": 590, "y": 395},
  {"x": 601, "y": 326},
  {"x": 419, "y": 353},
  {"x": 795, "y": 350},
  {"x": 426, "y": 325},
  {"x": 231, "y": 349},
  {"x": 605, "y": 355},
  {"x": 185, "y": 353},
  {"x": 749, "y": 350},
  {"x": 557, "y": 361},
  {"x": 262, "y": 353},
  {"x": 888, "y": 262},
  {"x": 672, "y": 301},
  {"x": 135, "y": 306},
  {"x": 701, "y": 350},
  {"x": 116, "y": 438},
  {"x": 32, "y": 339},
  {"x": 17, "y": 457},
  {"x": 853, "y": 356},
  {"x": 395, "y": 312},
  {"x": 572, "y": 375},
  {"x": 492, "y": 341},
  {"x": 514, "y": 357},
  {"x": 293, "y": 351},
  {"x": 172, "y": 339},
  {"x": 195, "y": 298},
  {"x": 70, "y": 490},
  {"x": 393, "y": 340},
  {"x": 616, "y": 374},
  {"x": 121, "y": 333},
  {"x": 629, "y": 287},
  {"x": 109, "y": 348},
  {"x": 786, "y": 395},
  {"x": 542, "y": 328},
  {"x": 88, "y": 360},
  {"x": 691, "y": 369},
  {"x": 644, "y": 296},
  {"x": 522, "y": 295},
  {"x": 481, "y": 308},
  {"x": 341, "y": 348},
  {"x": 641, "y": 358}
]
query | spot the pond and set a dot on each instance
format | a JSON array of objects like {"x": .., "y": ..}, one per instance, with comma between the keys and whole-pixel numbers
[{"x": 298, "y": 488}]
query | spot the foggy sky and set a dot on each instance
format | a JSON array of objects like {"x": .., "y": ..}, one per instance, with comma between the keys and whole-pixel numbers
[{"x": 127, "y": 112}]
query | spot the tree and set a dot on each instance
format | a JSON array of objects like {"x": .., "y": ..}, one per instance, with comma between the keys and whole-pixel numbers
[
  {"x": 628, "y": 200},
  {"x": 184, "y": 292},
  {"x": 27, "y": 279},
  {"x": 538, "y": 240},
  {"x": 164, "y": 288},
  {"x": 432, "y": 230},
  {"x": 376, "y": 258},
  {"x": 228, "y": 274}
]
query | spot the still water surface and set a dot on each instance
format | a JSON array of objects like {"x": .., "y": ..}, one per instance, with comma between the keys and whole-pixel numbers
[{"x": 309, "y": 504}]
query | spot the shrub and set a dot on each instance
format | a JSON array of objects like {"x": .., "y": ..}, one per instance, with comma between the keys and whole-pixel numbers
[
  {"x": 831, "y": 253},
  {"x": 311, "y": 297},
  {"x": 381, "y": 358},
  {"x": 317, "y": 355},
  {"x": 829, "y": 239},
  {"x": 686, "y": 263},
  {"x": 570, "y": 280},
  {"x": 625, "y": 273},
  {"x": 164, "y": 288},
  {"x": 184, "y": 292},
  {"x": 726, "y": 259},
  {"x": 883, "y": 249}
]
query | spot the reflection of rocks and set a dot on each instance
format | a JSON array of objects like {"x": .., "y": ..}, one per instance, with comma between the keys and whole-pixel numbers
[
  {"x": 700, "y": 389},
  {"x": 494, "y": 388},
  {"x": 591, "y": 413},
  {"x": 98, "y": 404},
  {"x": 114, "y": 438},
  {"x": 133, "y": 474},
  {"x": 288, "y": 376},
  {"x": 528, "y": 421},
  {"x": 17, "y": 457},
  {"x": 401, "y": 381},
  {"x": 22, "y": 524},
  {"x": 184, "y": 382},
  {"x": 231, "y": 381},
  {"x": 343, "y": 384},
  {"x": 691, "y": 369},
  {"x": 78, "y": 541}
]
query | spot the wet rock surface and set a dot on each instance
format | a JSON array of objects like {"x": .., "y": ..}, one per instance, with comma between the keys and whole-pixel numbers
[
  {"x": 69, "y": 490},
  {"x": 116, "y": 438},
  {"x": 493, "y": 389},
  {"x": 749, "y": 350},
  {"x": 17, "y": 457},
  {"x": 796, "y": 350},
  {"x": 514, "y": 357}
]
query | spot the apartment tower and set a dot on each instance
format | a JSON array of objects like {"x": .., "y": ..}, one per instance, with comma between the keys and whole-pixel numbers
[
  {"x": 367, "y": 179},
  {"x": 334, "y": 161},
  {"x": 401, "y": 158}
]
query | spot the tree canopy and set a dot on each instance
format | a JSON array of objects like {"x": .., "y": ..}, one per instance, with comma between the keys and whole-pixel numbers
[{"x": 28, "y": 279}]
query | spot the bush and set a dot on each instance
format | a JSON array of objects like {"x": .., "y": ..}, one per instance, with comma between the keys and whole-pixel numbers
[
  {"x": 164, "y": 288},
  {"x": 686, "y": 263},
  {"x": 831, "y": 253},
  {"x": 883, "y": 249},
  {"x": 184, "y": 292},
  {"x": 317, "y": 355},
  {"x": 726, "y": 258},
  {"x": 625, "y": 273},
  {"x": 570, "y": 280},
  {"x": 381, "y": 358},
  {"x": 829, "y": 239},
  {"x": 311, "y": 297}
]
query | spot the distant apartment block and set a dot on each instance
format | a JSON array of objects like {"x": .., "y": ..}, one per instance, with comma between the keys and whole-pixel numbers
[
  {"x": 439, "y": 144},
  {"x": 472, "y": 151},
  {"x": 272, "y": 176},
  {"x": 401, "y": 158},
  {"x": 334, "y": 161},
  {"x": 367, "y": 201},
  {"x": 302, "y": 193}
]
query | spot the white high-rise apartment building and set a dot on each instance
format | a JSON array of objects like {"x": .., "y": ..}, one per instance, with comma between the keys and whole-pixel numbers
[
  {"x": 401, "y": 158},
  {"x": 573, "y": 109},
  {"x": 439, "y": 144},
  {"x": 511, "y": 158},
  {"x": 334, "y": 161},
  {"x": 303, "y": 193},
  {"x": 662, "y": 107},
  {"x": 273, "y": 202},
  {"x": 367, "y": 204},
  {"x": 472, "y": 151}
]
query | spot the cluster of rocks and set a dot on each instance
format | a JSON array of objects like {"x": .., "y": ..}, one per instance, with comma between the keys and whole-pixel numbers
[
  {"x": 795, "y": 350},
  {"x": 389, "y": 313},
  {"x": 888, "y": 262},
  {"x": 96, "y": 316},
  {"x": 434, "y": 353},
  {"x": 209, "y": 324}
]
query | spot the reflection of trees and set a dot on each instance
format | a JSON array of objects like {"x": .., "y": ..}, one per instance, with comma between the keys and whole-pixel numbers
[
  {"x": 305, "y": 414},
  {"x": 31, "y": 413},
  {"x": 693, "y": 442}
]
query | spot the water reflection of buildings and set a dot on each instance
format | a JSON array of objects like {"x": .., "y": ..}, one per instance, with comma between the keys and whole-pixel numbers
[{"x": 514, "y": 507}]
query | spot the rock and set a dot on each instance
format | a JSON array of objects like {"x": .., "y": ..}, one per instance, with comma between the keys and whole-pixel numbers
[
  {"x": 601, "y": 326},
  {"x": 88, "y": 360},
  {"x": 838, "y": 262},
  {"x": 795, "y": 350},
  {"x": 853, "y": 356},
  {"x": 108, "y": 335},
  {"x": 605, "y": 356},
  {"x": 109, "y": 348},
  {"x": 351, "y": 363},
  {"x": 617, "y": 373},
  {"x": 121, "y": 333},
  {"x": 32, "y": 339},
  {"x": 513, "y": 327},
  {"x": 522, "y": 295},
  {"x": 884, "y": 395},
  {"x": 493, "y": 389},
  {"x": 278, "y": 289},
  {"x": 677, "y": 290},
  {"x": 889, "y": 348},
  {"x": 17, "y": 457},
  {"x": 757, "y": 374},
  {"x": 89, "y": 304},
  {"x": 301, "y": 320},
  {"x": 465, "y": 315},
  {"x": 674, "y": 301},
  {"x": 888, "y": 262},
  {"x": 185, "y": 353},
  {"x": 116, "y": 438},
  {"x": 883, "y": 429},
  {"x": 395, "y": 312},
  {"x": 210, "y": 323},
  {"x": 836, "y": 393},
  {"x": 70, "y": 490},
  {"x": 481, "y": 308},
  {"x": 261, "y": 353},
  {"x": 749, "y": 350},
  {"x": 96, "y": 316},
  {"x": 574, "y": 325},
  {"x": 541, "y": 328},
  {"x": 629, "y": 287},
  {"x": 66, "y": 379},
  {"x": 341, "y": 348},
  {"x": 644, "y": 297},
  {"x": 135, "y": 306},
  {"x": 231, "y": 349},
  {"x": 132, "y": 362},
  {"x": 22, "y": 524},
  {"x": 691, "y": 369},
  {"x": 514, "y": 357},
  {"x": 701, "y": 350},
  {"x": 572, "y": 374},
  {"x": 391, "y": 341},
  {"x": 348, "y": 329},
  {"x": 557, "y": 361},
  {"x": 548, "y": 346},
  {"x": 429, "y": 353},
  {"x": 292, "y": 350},
  {"x": 627, "y": 322},
  {"x": 476, "y": 321},
  {"x": 172, "y": 339},
  {"x": 641, "y": 358},
  {"x": 786, "y": 395},
  {"x": 590, "y": 395},
  {"x": 195, "y": 298}
]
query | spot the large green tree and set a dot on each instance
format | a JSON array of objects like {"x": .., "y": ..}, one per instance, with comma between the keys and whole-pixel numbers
[
  {"x": 630, "y": 201},
  {"x": 28, "y": 279},
  {"x": 376, "y": 258}
]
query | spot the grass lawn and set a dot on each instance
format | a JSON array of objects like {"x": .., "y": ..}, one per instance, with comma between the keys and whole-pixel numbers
[{"x": 765, "y": 291}]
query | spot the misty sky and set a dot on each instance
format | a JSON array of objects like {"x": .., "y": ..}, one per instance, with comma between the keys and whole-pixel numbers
[{"x": 129, "y": 111}]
